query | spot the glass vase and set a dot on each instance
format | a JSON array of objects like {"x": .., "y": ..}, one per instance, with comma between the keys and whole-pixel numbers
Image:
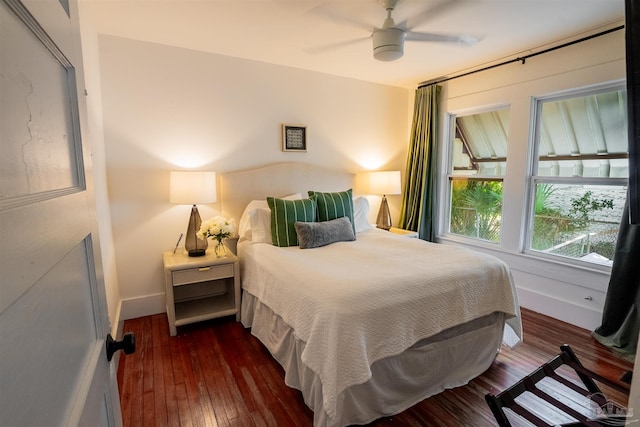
[{"x": 220, "y": 249}]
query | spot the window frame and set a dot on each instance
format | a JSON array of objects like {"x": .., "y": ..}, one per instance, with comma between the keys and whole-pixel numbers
[
  {"x": 449, "y": 177},
  {"x": 533, "y": 179}
]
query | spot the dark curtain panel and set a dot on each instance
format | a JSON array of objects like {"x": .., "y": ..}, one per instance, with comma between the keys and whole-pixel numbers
[
  {"x": 418, "y": 205},
  {"x": 632, "y": 42},
  {"x": 621, "y": 318}
]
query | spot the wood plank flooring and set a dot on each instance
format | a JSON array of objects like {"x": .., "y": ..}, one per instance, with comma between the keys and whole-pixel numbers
[{"x": 216, "y": 373}]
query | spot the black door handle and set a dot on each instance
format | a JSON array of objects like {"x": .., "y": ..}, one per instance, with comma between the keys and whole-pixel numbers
[{"x": 128, "y": 345}]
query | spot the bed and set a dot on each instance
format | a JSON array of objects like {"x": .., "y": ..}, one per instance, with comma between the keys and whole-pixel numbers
[{"x": 365, "y": 328}]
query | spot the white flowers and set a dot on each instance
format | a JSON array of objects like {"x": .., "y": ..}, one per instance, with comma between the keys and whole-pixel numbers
[{"x": 217, "y": 228}]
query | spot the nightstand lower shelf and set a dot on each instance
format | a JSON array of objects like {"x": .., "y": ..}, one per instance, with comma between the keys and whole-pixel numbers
[
  {"x": 200, "y": 288},
  {"x": 201, "y": 309}
]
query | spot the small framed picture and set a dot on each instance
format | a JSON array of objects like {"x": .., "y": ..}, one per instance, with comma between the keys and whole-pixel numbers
[{"x": 294, "y": 138}]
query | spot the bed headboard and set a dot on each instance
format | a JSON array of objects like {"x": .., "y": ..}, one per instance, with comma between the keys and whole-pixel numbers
[{"x": 238, "y": 188}]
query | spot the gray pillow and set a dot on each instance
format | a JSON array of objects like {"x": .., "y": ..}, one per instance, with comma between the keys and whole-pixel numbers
[{"x": 316, "y": 234}]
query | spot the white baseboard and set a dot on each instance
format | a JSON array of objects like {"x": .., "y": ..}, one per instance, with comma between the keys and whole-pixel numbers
[
  {"x": 568, "y": 312},
  {"x": 117, "y": 322},
  {"x": 580, "y": 316},
  {"x": 147, "y": 305}
]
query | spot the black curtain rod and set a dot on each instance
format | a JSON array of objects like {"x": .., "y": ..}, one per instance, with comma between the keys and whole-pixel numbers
[{"x": 522, "y": 58}]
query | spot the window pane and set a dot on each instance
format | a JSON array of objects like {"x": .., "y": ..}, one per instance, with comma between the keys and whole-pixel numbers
[
  {"x": 480, "y": 144},
  {"x": 604, "y": 168},
  {"x": 578, "y": 221},
  {"x": 476, "y": 208},
  {"x": 584, "y": 136}
]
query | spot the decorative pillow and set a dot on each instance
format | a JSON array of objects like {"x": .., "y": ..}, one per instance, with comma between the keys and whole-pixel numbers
[
  {"x": 284, "y": 214},
  {"x": 334, "y": 205},
  {"x": 361, "y": 214},
  {"x": 245, "y": 226},
  {"x": 316, "y": 234}
]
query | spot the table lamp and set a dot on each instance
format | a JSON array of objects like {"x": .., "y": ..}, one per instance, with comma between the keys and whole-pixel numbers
[
  {"x": 384, "y": 182},
  {"x": 192, "y": 188}
]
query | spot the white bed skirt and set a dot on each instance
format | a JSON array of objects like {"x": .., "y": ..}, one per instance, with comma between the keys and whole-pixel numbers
[{"x": 449, "y": 359}]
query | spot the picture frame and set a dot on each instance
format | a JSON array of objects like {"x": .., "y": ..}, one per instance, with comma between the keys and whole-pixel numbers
[{"x": 294, "y": 138}]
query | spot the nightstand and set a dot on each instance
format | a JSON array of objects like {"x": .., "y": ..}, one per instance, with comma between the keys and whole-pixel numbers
[
  {"x": 200, "y": 288},
  {"x": 405, "y": 233}
]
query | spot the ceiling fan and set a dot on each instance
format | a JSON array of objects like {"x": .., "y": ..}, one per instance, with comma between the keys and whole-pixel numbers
[{"x": 388, "y": 41}]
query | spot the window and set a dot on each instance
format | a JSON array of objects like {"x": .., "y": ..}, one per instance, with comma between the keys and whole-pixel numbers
[
  {"x": 478, "y": 156},
  {"x": 579, "y": 174}
]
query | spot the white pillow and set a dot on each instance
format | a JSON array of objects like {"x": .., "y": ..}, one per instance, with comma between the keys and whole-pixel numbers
[
  {"x": 244, "y": 225},
  {"x": 294, "y": 196},
  {"x": 361, "y": 214},
  {"x": 260, "y": 220}
]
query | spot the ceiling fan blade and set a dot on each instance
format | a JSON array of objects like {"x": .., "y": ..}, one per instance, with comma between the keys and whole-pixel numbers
[
  {"x": 430, "y": 13},
  {"x": 464, "y": 39},
  {"x": 337, "y": 45},
  {"x": 326, "y": 10}
]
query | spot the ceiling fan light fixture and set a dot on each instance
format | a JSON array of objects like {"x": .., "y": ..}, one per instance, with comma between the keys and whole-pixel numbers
[
  {"x": 388, "y": 44},
  {"x": 388, "y": 53}
]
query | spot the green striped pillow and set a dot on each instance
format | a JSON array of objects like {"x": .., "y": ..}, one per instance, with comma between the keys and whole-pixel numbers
[
  {"x": 284, "y": 214},
  {"x": 334, "y": 205}
]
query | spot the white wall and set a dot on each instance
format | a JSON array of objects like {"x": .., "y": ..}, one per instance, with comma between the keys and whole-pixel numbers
[
  {"x": 568, "y": 293},
  {"x": 168, "y": 108},
  {"x": 91, "y": 63}
]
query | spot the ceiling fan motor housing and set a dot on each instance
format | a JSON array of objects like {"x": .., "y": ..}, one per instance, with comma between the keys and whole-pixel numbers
[{"x": 388, "y": 44}]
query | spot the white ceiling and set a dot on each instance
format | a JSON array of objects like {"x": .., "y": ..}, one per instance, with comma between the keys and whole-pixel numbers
[{"x": 296, "y": 33}]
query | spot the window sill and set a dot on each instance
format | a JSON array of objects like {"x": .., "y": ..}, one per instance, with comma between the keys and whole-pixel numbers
[{"x": 587, "y": 276}]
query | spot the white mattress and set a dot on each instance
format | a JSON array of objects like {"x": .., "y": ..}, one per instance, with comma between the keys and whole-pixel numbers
[{"x": 353, "y": 303}]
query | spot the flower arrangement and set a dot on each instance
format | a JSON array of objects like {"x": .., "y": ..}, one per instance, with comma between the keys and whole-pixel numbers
[{"x": 217, "y": 228}]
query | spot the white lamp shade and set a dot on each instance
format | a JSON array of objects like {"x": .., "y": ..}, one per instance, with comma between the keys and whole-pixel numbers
[
  {"x": 387, "y": 182},
  {"x": 192, "y": 187}
]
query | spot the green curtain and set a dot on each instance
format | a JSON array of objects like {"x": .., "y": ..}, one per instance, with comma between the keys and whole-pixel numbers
[
  {"x": 418, "y": 205},
  {"x": 620, "y": 317}
]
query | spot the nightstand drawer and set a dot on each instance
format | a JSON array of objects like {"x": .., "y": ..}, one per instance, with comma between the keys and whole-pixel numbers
[{"x": 195, "y": 275}]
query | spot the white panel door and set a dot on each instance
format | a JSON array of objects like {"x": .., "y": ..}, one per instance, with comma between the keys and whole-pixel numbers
[{"x": 53, "y": 318}]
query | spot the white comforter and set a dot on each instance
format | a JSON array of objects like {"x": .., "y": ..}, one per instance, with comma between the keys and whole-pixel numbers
[{"x": 353, "y": 303}]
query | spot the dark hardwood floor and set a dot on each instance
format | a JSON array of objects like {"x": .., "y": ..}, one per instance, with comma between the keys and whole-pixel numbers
[{"x": 216, "y": 373}]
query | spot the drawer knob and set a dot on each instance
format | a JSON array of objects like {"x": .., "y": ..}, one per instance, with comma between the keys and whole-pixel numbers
[{"x": 204, "y": 269}]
